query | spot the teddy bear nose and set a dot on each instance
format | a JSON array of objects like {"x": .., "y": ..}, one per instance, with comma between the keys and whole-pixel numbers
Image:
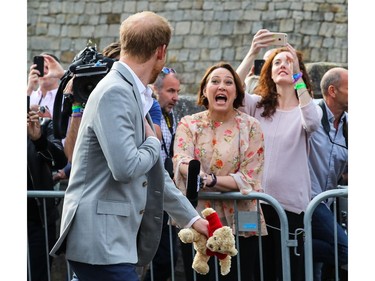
[{"x": 209, "y": 246}]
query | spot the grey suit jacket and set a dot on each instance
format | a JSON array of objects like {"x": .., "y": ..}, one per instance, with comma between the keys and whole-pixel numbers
[{"x": 118, "y": 187}]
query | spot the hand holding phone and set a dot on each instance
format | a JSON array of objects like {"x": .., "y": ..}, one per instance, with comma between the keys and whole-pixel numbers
[
  {"x": 279, "y": 39},
  {"x": 39, "y": 61}
]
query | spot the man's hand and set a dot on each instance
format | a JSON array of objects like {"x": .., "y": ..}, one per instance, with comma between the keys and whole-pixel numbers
[
  {"x": 32, "y": 83},
  {"x": 201, "y": 225},
  {"x": 60, "y": 175},
  {"x": 43, "y": 111},
  {"x": 69, "y": 86},
  {"x": 53, "y": 69},
  {"x": 33, "y": 126}
]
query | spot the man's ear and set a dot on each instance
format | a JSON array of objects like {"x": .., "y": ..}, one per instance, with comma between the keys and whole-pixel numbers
[
  {"x": 332, "y": 91},
  {"x": 161, "y": 52}
]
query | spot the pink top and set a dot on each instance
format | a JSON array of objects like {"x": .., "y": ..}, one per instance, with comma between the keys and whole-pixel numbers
[{"x": 286, "y": 173}]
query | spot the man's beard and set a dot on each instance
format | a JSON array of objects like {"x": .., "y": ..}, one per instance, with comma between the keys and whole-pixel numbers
[{"x": 154, "y": 74}]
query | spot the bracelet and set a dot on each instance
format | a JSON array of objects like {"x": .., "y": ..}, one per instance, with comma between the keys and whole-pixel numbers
[
  {"x": 300, "y": 94},
  {"x": 297, "y": 76},
  {"x": 214, "y": 181},
  {"x": 300, "y": 86},
  {"x": 77, "y": 114}
]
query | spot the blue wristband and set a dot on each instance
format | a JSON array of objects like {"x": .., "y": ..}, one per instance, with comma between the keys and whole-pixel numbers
[{"x": 297, "y": 76}]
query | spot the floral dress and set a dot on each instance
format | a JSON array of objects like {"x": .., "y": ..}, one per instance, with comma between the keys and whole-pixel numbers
[{"x": 234, "y": 147}]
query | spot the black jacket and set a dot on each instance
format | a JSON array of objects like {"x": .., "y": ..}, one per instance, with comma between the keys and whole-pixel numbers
[{"x": 44, "y": 156}]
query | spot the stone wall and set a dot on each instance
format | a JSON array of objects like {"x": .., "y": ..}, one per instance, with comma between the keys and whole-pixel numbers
[{"x": 205, "y": 32}]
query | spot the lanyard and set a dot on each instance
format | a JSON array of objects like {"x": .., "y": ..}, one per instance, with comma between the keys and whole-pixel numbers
[
  {"x": 169, "y": 120},
  {"x": 40, "y": 101}
]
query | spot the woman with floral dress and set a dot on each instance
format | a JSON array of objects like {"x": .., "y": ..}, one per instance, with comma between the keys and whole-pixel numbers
[{"x": 230, "y": 147}]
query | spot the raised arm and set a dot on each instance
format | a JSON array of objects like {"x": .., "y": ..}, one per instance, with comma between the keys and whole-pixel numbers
[{"x": 262, "y": 39}]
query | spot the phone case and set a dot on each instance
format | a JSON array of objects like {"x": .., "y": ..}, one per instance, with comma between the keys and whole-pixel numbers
[
  {"x": 280, "y": 39},
  {"x": 258, "y": 64},
  {"x": 39, "y": 61}
]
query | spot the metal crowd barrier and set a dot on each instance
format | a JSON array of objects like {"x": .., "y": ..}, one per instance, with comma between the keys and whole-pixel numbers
[
  {"x": 284, "y": 228},
  {"x": 44, "y": 194},
  {"x": 342, "y": 191},
  {"x": 286, "y": 243}
]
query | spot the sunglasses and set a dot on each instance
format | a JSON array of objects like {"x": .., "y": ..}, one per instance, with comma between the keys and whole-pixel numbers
[{"x": 167, "y": 70}]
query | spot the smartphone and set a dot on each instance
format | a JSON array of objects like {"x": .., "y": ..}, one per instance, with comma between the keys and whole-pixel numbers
[
  {"x": 28, "y": 104},
  {"x": 258, "y": 64},
  {"x": 39, "y": 61},
  {"x": 279, "y": 39}
]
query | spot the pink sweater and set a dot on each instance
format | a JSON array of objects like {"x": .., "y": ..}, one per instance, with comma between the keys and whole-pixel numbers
[{"x": 286, "y": 173}]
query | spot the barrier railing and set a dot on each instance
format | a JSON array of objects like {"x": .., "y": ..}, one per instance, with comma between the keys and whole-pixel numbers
[
  {"x": 286, "y": 243},
  {"x": 340, "y": 192},
  {"x": 44, "y": 194},
  {"x": 284, "y": 228}
]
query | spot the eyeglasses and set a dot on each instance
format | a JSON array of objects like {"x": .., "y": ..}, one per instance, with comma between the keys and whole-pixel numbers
[{"x": 167, "y": 70}]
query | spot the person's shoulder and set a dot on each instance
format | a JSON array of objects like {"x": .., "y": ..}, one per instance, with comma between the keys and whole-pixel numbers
[
  {"x": 155, "y": 105},
  {"x": 200, "y": 116},
  {"x": 253, "y": 97},
  {"x": 119, "y": 69},
  {"x": 155, "y": 112},
  {"x": 193, "y": 118},
  {"x": 245, "y": 117},
  {"x": 250, "y": 100}
]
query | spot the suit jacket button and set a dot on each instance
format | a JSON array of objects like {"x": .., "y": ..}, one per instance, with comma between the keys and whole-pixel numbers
[
  {"x": 141, "y": 212},
  {"x": 144, "y": 184}
]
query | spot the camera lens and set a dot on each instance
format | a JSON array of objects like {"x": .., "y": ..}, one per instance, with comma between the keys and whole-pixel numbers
[{"x": 42, "y": 109}]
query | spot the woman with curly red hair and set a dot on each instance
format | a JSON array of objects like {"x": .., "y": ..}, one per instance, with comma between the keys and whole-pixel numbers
[{"x": 283, "y": 104}]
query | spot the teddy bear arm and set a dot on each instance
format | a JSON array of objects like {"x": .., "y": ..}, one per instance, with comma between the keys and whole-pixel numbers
[
  {"x": 189, "y": 235},
  {"x": 225, "y": 265}
]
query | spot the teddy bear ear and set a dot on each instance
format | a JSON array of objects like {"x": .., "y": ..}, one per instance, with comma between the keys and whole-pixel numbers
[{"x": 227, "y": 230}]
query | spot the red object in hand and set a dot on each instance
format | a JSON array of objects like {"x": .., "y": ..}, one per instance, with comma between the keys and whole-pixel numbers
[{"x": 213, "y": 224}]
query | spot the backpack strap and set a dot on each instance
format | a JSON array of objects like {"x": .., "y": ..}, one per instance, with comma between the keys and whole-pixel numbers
[
  {"x": 325, "y": 122},
  {"x": 345, "y": 131},
  {"x": 326, "y": 126}
]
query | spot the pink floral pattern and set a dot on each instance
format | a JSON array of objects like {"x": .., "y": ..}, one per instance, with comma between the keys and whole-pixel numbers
[{"x": 234, "y": 147}]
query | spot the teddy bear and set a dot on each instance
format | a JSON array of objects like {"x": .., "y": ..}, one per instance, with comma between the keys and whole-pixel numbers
[{"x": 220, "y": 243}]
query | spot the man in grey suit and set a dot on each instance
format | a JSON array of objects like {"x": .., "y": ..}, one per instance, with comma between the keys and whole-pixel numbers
[{"x": 118, "y": 188}]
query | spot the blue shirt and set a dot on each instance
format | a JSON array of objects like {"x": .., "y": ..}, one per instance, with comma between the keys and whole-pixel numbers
[
  {"x": 327, "y": 161},
  {"x": 155, "y": 112}
]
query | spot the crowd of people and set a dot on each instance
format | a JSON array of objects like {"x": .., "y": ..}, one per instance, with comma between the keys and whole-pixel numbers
[{"x": 126, "y": 158}]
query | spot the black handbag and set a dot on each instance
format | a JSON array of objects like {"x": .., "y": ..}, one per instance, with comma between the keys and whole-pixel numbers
[{"x": 168, "y": 165}]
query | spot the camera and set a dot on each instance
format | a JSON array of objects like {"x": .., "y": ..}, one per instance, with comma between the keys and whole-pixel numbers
[
  {"x": 89, "y": 68},
  {"x": 86, "y": 78}
]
